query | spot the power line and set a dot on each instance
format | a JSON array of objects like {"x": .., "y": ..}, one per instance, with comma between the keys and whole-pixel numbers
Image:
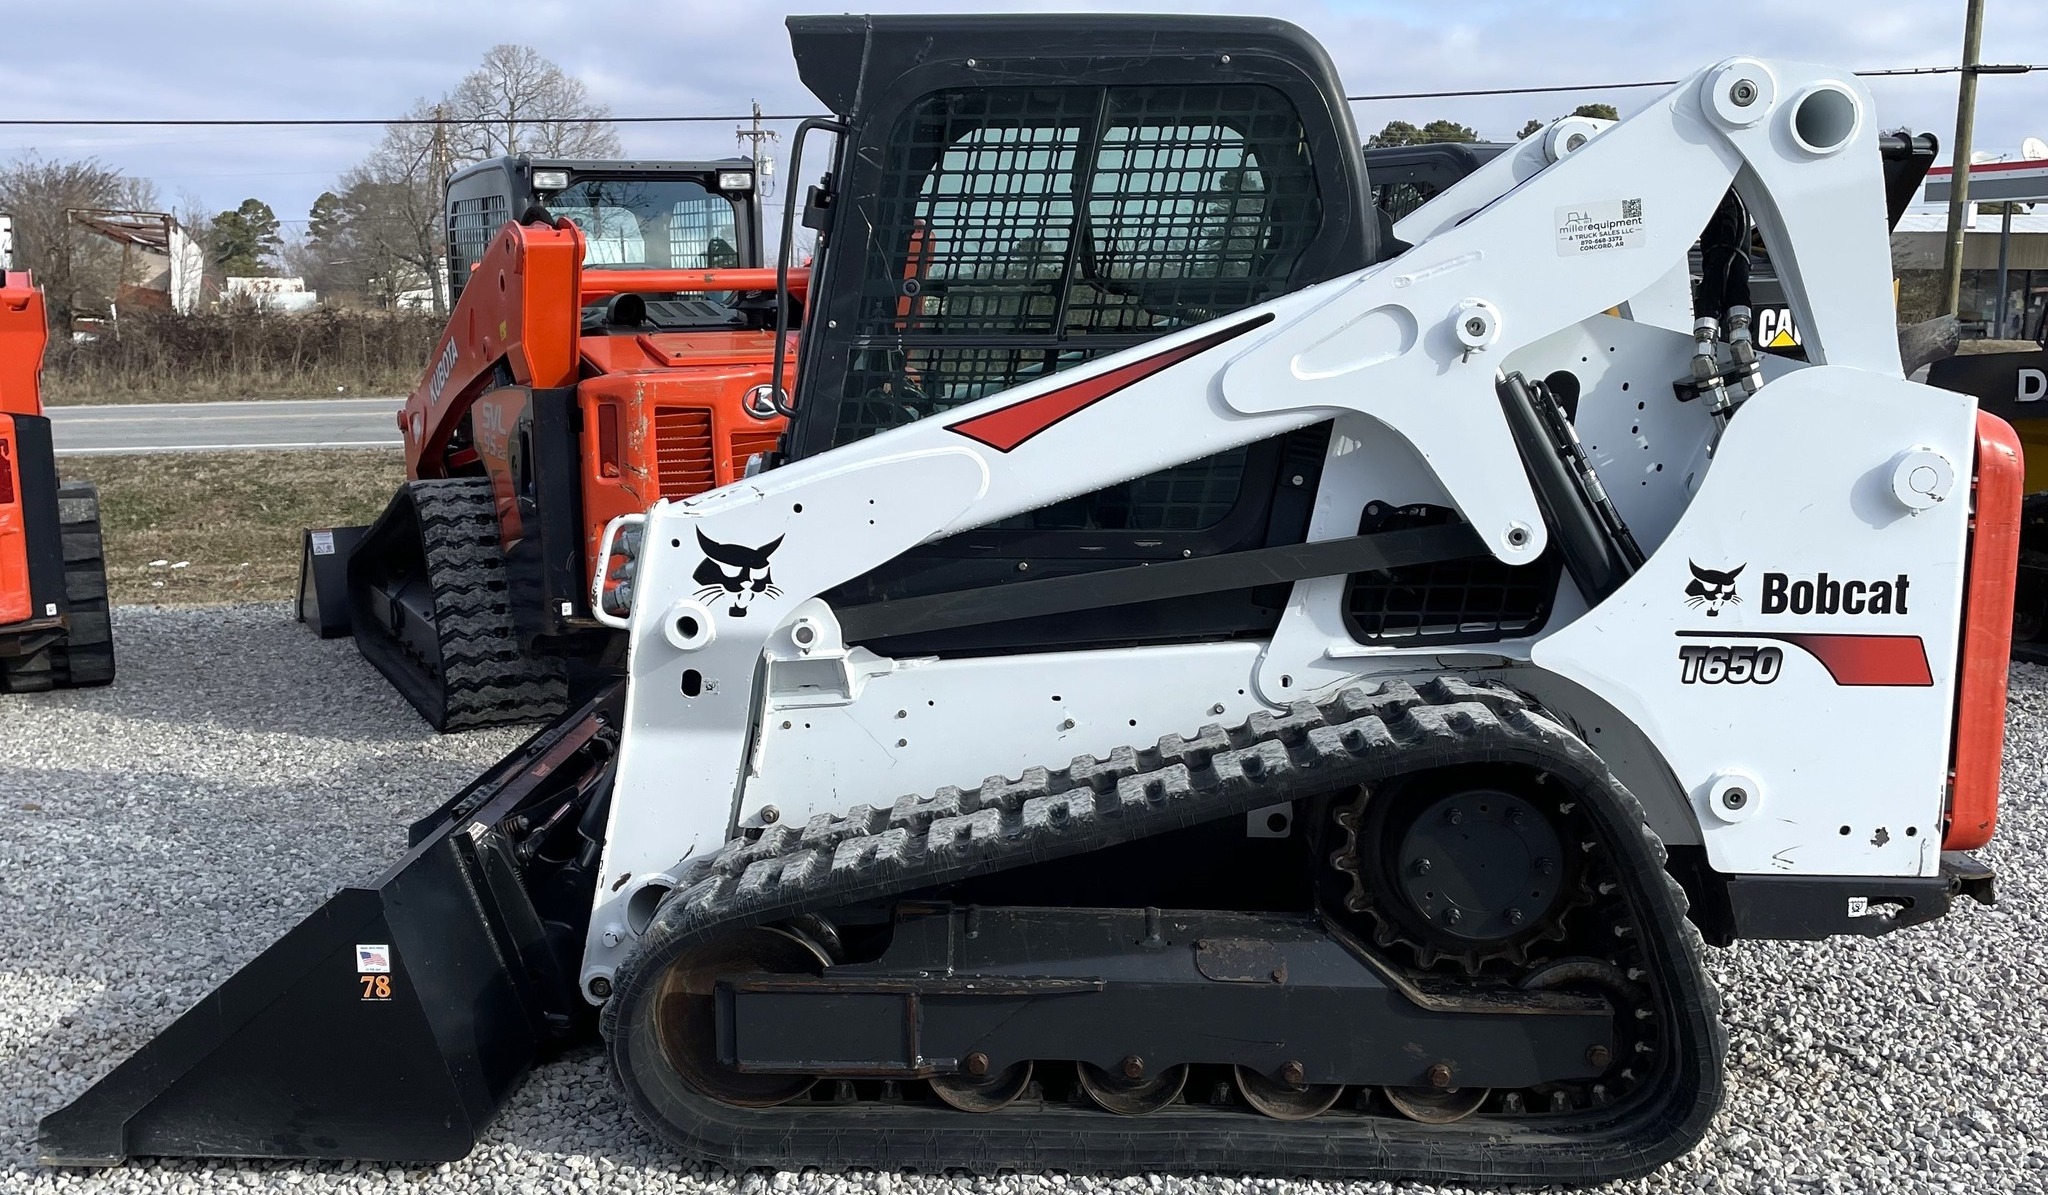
[
  {"x": 747, "y": 117},
  {"x": 401, "y": 120},
  {"x": 1892, "y": 72}
]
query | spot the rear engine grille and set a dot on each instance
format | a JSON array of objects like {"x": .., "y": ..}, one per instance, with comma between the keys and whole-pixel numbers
[
  {"x": 1475, "y": 600},
  {"x": 747, "y": 443},
  {"x": 682, "y": 451}
]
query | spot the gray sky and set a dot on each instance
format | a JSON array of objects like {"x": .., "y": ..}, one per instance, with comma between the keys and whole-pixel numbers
[{"x": 212, "y": 58}]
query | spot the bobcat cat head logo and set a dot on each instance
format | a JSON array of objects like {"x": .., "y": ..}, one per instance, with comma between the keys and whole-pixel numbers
[
  {"x": 1712, "y": 589},
  {"x": 735, "y": 571}
]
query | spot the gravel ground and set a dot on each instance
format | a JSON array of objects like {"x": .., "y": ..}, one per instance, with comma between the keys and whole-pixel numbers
[{"x": 161, "y": 832}]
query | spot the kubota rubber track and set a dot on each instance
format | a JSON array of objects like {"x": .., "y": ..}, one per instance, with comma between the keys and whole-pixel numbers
[
  {"x": 1358, "y": 737},
  {"x": 86, "y": 655},
  {"x": 483, "y": 677}
]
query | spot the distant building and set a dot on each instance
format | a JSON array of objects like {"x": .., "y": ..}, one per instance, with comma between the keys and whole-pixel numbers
[
  {"x": 162, "y": 267},
  {"x": 1921, "y": 240},
  {"x": 271, "y": 294}
]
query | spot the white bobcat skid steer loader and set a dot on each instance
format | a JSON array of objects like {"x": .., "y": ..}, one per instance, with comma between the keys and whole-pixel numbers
[{"x": 1208, "y": 686}]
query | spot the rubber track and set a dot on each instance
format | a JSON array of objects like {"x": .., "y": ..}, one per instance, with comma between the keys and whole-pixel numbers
[
  {"x": 1360, "y": 736},
  {"x": 85, "y": 657},
  {"x": 486, "y": 680}
]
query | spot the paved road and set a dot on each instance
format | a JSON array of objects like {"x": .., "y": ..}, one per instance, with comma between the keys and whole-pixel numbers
[{"x": 217, "y": 426}]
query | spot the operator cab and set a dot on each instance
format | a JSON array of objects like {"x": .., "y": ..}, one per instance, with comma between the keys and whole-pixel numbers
[{"x": 634, "y": 215}]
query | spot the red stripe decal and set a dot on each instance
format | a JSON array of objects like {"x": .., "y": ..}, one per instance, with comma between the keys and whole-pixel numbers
[
  {"x": 1006, "y": 428},
  {"x": 1867, "y": 659},
  {"x": 1853, "y": 660}
]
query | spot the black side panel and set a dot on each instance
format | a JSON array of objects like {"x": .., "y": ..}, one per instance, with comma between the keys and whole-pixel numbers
[
  {"x": 545, "y": 565},
  {"x": 323, "y": 579},
  {"x": 1808, "y": 908},
  {"x": 37, "y": 467}
]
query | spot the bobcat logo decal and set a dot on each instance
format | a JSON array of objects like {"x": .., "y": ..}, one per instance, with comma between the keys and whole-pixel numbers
[
  {"x": 1712, "y": 589},
  {"x": 736, "y": 572}
]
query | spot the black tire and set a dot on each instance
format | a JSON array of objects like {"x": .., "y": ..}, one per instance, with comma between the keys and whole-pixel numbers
[{"x": 85, "y": 657}]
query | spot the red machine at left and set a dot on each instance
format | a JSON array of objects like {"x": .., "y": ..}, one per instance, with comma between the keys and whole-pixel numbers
[{"x": 54, "y": 628}]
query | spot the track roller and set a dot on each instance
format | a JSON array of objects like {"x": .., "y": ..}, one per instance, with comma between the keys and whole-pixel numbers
[
  {"x": 984, "y": 1093},
  {"x": 1139, "y": 1096},
  {"x": 1282, "y": 1100},
  {"x": 1431, "y": 1105}
]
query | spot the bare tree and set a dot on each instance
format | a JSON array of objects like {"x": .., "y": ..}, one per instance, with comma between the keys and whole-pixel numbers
[
  {"x": 381, "y": 235},
  {"x": 518, "y": 102},
  {"x": 79, "y": 271}
]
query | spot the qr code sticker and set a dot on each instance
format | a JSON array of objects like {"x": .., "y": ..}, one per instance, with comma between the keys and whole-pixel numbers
[{"x": 1631, "y": 209}]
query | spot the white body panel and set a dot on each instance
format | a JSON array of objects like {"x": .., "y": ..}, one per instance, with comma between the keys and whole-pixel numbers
[
  {"x": 1825, "y": 756},
  {"x": 729, "y": 713}
]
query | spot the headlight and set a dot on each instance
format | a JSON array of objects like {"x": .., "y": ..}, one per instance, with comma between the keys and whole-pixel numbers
[
  {"x": 735, "y": 180},
  {"x": 550, "y": 180}
]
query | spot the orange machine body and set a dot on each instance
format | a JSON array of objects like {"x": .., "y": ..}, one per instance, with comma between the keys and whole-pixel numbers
[
  {"x": 24, "y": 334},
  {"x": 660, "y": 414}
]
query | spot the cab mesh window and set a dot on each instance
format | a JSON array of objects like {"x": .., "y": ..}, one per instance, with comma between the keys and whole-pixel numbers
[
  {"x": 1398, "y": 199},
  {"x": 471, "y": 224},
  {"x": 1022, "y": 231}
]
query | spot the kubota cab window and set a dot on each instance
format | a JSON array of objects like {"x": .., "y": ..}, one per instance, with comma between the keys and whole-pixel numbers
[
  {"x": 657, "y": 224},
  {"x": 1023, "y": 231}
]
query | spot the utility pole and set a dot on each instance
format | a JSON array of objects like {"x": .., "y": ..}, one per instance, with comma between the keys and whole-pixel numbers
[
  {"x": 757, "y": 134},
  {"x": 440, "y": 169},
  {"x": 1959, "y": 184}
]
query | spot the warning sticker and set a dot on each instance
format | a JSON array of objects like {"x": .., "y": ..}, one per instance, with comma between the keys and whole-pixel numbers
[
  {"x": 323, "y": 543},
  {"x": 1591, "y": 227},
  {"x": 373, "y": 960}
]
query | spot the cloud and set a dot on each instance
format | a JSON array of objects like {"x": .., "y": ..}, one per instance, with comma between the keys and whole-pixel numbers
[{"x": 374, "y": 57}]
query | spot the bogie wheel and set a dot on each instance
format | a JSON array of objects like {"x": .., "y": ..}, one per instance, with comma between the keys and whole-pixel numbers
[
  {"x": 685, "y": 1020},
  {"x": 1431, "y": 1105},
  {"x": 1132, "y": 1097},
  {"x": 985, "y": 1093},
  {"x": 1285, "y": 1101}
]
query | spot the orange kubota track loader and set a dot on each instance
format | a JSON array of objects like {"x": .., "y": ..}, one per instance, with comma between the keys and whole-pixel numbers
[
  {"x": 569, "y": 387},
  {"x": 54, "y": 627}
]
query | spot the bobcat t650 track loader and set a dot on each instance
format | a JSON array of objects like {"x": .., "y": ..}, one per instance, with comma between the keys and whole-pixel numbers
[{"x": 1211, "y": 687}]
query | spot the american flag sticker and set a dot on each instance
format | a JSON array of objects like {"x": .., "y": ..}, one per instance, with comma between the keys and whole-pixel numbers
[{"x": 373, "y": 960}]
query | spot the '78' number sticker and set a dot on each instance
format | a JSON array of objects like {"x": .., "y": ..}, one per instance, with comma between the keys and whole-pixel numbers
[{"x": 1702, "y": 665}]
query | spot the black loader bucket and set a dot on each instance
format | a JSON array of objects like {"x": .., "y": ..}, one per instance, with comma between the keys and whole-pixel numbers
[{"x": 391, "y": 1024}]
